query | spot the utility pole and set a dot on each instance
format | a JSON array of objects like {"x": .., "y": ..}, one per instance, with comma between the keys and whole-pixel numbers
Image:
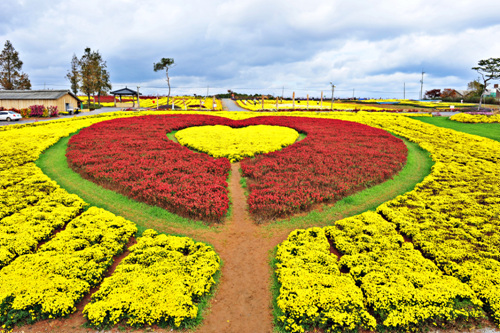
[
  {"x": 333, "y": 90},
  {"x": 353, "y": 93},
  {"x": 138, "y": 98},
  {"x": 404, "y": 90},
  {"x": 422, "y": 84},
  {"x": 282, "y": 93}
]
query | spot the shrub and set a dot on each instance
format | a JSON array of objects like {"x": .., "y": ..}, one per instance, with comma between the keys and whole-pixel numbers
[
  {"x": 53, "y": 112},
  {"x": 36, "y": 110}
]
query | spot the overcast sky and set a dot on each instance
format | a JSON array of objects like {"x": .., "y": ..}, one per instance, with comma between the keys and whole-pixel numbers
[{"x": 259, "y": 46}]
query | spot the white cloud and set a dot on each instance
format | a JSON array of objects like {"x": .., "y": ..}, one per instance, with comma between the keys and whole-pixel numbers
[{"x": 259, "y": 44}]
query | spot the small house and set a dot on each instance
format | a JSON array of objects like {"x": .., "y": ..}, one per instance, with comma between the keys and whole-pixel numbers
[{"x": 21, "y": 99}]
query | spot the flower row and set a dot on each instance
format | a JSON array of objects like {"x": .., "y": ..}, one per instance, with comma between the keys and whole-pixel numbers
[
  {"x": 453, "y": 215},
  {"x": 21, "y": 232},
  {"x": 403, "y": 290},
  {"x": 161, "y": 282},
  {"x": 418, "y": 103},
  {"x": 236, "y": 144},
  {"x": 256, "y": 105},
  {"x": 469, "y": 118},
  {"x": 179, "y": 102},
  {"x": 49, "y": 283}
]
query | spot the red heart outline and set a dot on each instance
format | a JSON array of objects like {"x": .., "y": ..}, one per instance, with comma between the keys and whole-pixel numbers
[{"x": 133, "y": 156}]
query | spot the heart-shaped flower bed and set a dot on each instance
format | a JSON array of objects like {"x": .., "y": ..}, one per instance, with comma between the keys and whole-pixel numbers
[
  {"x": 134, "y": 157},
  {"x": 236, "y": 143}
]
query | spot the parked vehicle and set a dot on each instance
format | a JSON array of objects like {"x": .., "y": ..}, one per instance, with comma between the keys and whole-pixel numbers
[
  {"x": 69, "y": 112},
  {"x": 10, "y": 115}
]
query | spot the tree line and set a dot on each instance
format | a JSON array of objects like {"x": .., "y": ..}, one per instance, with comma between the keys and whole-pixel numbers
[{"x": 89, "y": 74}]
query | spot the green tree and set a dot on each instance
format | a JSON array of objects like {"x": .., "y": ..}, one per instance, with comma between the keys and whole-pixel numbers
[
  {"x": 165, "y": 64},
  {"x": 11, "y": 76},
  {"x": 489, "y": 69},
  {"x": 94, "y": 77},
  {"x": 73, "y": 74},
  {"x": 103, "y": 84},
  {"x": 475, "y": 87}
]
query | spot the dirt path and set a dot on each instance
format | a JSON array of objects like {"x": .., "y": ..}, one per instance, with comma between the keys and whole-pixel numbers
[{"x": 243, "y": 301}]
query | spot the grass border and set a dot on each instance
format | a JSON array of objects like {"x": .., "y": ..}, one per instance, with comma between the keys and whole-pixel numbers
[{"x": 54, "y": 164}]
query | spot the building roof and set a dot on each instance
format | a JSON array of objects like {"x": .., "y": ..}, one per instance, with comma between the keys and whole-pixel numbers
[
  {"x": 463, "y": 92},
  {"x": 123, "y": 92},
  {"x": 34, "y": 94}
]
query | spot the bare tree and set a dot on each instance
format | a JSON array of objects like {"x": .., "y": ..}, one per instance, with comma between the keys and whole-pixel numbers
[
  {"x": 11, "y": 76},
  {"x": 489, "y": 69},
  {"x": 165, "y": 64}
]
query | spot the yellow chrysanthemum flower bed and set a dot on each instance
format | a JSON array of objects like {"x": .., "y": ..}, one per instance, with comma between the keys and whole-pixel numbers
[
  {"x": 159, "y": 282},
  {"x": 452, "y": 217},
  {"x": 236, "y": 143},
  {"x": 302, "y": 105},
  {"x": 49, "y": 283},
  {"x": 402, "y": 289},
  {"x": 180, "y": 102},
  {"x": 469, "y": 118},
  {"x": 21, "y": 232}
]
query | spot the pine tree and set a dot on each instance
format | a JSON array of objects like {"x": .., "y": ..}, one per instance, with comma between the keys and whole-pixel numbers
[
  {"x": 489, "y": 69},
  {"x": 165, "y": 64},
  {"x": 11, "y": 76},
  {"x": 74, "y": 74}
]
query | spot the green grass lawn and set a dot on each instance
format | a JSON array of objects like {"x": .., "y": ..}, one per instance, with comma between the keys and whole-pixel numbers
[{"x": 490, "y": 131}]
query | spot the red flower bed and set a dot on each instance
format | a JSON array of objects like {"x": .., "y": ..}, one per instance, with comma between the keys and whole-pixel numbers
[
  {"x": 336, "y": 159},
  {"x": 134, "y": 157}
]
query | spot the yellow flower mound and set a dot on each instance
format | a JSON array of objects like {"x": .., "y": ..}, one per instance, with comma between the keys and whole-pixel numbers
[
  {"x": 50, "y": 282},
  {"x": 469, "y": 118},
  {"x": 161, "y": 280},
  {"x": 404, "y": 289},
  {"x": 237, "y": 143}
]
